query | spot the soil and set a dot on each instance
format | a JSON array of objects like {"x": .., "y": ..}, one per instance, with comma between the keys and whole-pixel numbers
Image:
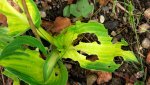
[{"x": 129, "y": 73}]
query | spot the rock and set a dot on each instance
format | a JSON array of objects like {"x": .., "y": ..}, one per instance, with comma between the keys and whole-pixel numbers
[
  {"x": 111, "y": 25},
  {"x": 146, "y": 43},
  {"x": 43, "y": 14},
  {"x": 103, "y": 77},
  {"x": 91, "y": 79},
  {"x": 105, "y": 8},
  {"x": 143, "y": 27},
  {"x": 68, "y": 66},
  {"x": 147, "y": 13},
  {"x": 102, "y": 19},
  {"x": 148, "y": 35},
  {"x": 113, "y": 33}
]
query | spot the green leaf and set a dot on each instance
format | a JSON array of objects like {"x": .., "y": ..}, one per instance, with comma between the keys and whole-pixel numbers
[
  {"x": 4, "y": 38},
  {"x": 59, "y": 75},
  {"x": 23, "y": 40},
  {"x": 66, "y": 11},
  {"x": 105, "y": 51},
  {"x": 28, "y": 66},
  {"x": 25, "y": 64},
  {"x": 17, "y": 22},
  {"x": 50, "y": 63},
  {"x": 81, "y": 9},
  {"x": 12, "y": 76}
]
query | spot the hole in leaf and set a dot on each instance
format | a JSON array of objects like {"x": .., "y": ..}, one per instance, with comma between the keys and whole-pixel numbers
[
  {"x": 118, "y": 59},
  {"x": 109, "y": 66},
  {"x": 126, "y": 48},
  {"x": 15, "y": 6},
  {"x": 56, "y": 74},
  {"x": 86, "y": 37},
  {"x": 89, "y": 57}
]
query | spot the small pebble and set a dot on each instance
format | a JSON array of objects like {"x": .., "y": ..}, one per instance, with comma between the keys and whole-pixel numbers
[
  {"x": 143, "y": 28},
  {"x": 111, "y": 24},
  {"x": 146, "y": 43},
  {"x": 68, "y": 66},
  {"x": 147, "y": 13},
  {"x": 148, "y": 35},
  {"x": 105, "y": 8},
  {"x": 91, "y": 79},
  {"x": 43, "y": 14},
  {"x": 102, "y": 19},
  {"x": 113, "y": 33}
]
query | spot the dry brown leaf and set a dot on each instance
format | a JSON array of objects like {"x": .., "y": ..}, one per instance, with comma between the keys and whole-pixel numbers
[
  {"x": 3, "y": 20},
  {"x": 103, "y": 77},
  {"x": 104, "y": 2},
  {"x": 147, "y": 13},
  {"x": 70, "y": 1},
  {"x": 47, "y": 25},
  {"x": 60, "y": 23},
  {"x": 148, "y": 58},
  {"x": 143, "y": 27},
  {"x": 148, "y": 81}
]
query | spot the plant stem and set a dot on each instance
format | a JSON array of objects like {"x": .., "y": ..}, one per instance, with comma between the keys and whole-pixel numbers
[{"x": 33, "y": 28}]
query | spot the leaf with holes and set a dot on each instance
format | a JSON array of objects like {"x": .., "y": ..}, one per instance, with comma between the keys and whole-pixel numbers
[
  {"x": 27, "y": 65},
  {"x": 17, "y": 21},
  {"x": 104, "y": 51}
]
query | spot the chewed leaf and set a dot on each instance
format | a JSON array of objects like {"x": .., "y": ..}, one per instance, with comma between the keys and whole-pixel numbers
[
  {"x": 101, "y": 48},
  {"x": 17, "y": 21}
]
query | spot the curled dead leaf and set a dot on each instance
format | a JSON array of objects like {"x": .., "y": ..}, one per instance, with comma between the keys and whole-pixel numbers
[
  {"x": 60, "y": 23},
  {"x": 47, "y": 25},
  {"x": 104, "y": 2},
  {"x": 103, "y": 77},
  {"x": 143, "y": 27},
  {"x": 147, "y": 13},
  {"x": 70, "y": 1},
  {"x": 148, "y": 58},
  {"x": 3, "y": 20}
]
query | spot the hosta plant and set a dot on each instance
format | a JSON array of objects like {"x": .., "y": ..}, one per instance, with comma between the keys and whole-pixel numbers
[{"x": 22, "y": 57}]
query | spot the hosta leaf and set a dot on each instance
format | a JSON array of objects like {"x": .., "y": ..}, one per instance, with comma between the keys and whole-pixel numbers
[
  {"x": 12, "y": 76},
  {"x": 17, "y": 22},
  {"x": 4, "y": 38},
  {"x": 59, "y": 75},
  {"x": 23, "y": 40},
  {"x": 50, "y": 63},
  {"x": 105, "y": 50},
  {"x": 25, "y": 64},
  {"x": 28, "y": 66}
]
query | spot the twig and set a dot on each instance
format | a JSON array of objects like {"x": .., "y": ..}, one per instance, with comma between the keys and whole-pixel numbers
[{"x": 33, "y": 28}]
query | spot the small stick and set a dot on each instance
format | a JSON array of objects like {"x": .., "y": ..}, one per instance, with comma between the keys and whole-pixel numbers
[{"x": 33, "y": 28}]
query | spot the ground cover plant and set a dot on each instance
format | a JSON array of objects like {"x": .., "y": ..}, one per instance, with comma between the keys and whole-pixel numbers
[{"x": 26, "y": 58}]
